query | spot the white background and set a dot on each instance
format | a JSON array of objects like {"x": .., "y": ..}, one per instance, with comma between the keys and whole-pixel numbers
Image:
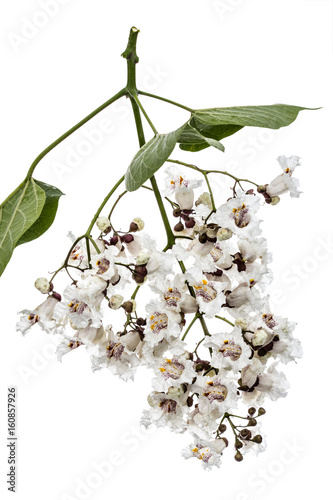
[{"x": 204, "y": 54}]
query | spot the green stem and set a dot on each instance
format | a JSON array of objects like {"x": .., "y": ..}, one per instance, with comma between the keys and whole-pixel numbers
[
  {"x": 104, "y": 202},
  {"x": 115, "y": 204},
  {"x": 205, "y": 172},
  {"x": 190, "y": 325},
  {"x": 132, "y": 58},
  {"x": 135, "y": 292},
  {"x": 121, "y": 93},
  {"x": 172, "y": 203},
  {"x": 224, "y": 319},
  {"x": 93, "y": 244},
  {"x": 88, "y": 251},
  {"x": 230, "y": 175},
  {"x": 204, "y": 326},
  {"x": 166, "y": 100},
  {"x": 170, "y": 236},
  {"x": 137, "y": 100}
]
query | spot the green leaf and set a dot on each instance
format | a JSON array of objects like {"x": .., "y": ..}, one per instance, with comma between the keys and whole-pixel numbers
[
  {"x": 217, "y": 132},
  {"x": 48, "y": 213},
  {"x": 274, "y": 116},
  {"x": 17, "y": 213},
  {"x": 192, "y": 140},
  {"x": 150, "y": 158}
]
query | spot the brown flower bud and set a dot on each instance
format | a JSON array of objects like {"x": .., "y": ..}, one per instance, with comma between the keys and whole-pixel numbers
[
  {"x": 179, "y": 227},
  {"x": 251, "y": 411},
  {"x": 222, "y": 428}
]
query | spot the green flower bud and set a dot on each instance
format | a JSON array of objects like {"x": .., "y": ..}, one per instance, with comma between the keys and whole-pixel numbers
[{"x": 238, "y": 457}]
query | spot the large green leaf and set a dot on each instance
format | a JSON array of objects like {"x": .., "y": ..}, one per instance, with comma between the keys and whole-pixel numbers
[
  {"x": 17, "y": 213},
  {"x": 273, "y": 116},
  {"x": 150, "y": 158},
  {"x": 48, "y": 213},
  {"x": 192, "y": 140}
]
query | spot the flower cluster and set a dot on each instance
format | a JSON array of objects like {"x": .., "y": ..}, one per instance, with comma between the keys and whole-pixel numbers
[{"x": 206, "y": 331}]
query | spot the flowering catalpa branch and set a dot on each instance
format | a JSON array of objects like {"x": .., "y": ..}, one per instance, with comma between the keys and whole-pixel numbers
[{"x": 208, "y": 332}]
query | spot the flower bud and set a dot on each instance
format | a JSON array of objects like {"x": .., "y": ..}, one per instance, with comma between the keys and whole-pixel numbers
[
  {"x": 129, "y": 306},
  {"x": 222, "y": 428},
  {"x": 127, "y": 238},
  {"x": 189, "y": 401},
  {"x": 257, "y": 439},
  {"x": 140, "y": 274},
  {"x": 175, "y": 392},
  {"x": 245, "y": 434},
  {"x": 142, "y": 258},
  {"x": 275, "y": 200},
  {"x": 199, "y": 367},
  {"x": 203, "y": 238},
  {"x": 252, "y": 422},
  {"x": 261, "y": 411},
  {"x": 137, "y": 224},
  {"x": 212, "y": 230},
  {"x": 43, "y": 285},
  {"x": 238, "y": 444},
  {"x": 241, "y": 322},
  {"x": 102, "y": 223},
  {"x": 190, "y": 223},
  {"x": 114, "y": 239},
  {"x": 238, "y": 457},
  {"x": 259, "y": 337},
  {"x": 179, "y": 227},
  {"x": 116, "y": 301},
  {"x": 251, "y": 411},
  {"x": 223, "y": 234}
]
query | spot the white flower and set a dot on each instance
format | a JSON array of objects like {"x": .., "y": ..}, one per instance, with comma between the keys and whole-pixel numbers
[
  {"x": 262, "y": 383},
  {"x": 43, "y": 315},
  {"x": 161, "y": 323},
  {"x": 230, "y": 352},
  {"x": 176, "y": 183},
  {"x": 209, "y": 452},
  {"x": 209, "y": 294},
  {"x": 217, "y": 393},
  {"x": 172, "y": 371},
  {"x": 239, "y": 296},
  {"x": 175, "y": 294},
  {"x": 167, "y": 409},
  {"x": 67, "y": 345},
  {"x": 285, "y": 182},
  {"x": 238, "y": 215},
  {"x": 78, "y": 256},
  {"x": 79, "y": 308},
  {"x": 103, "y": 264},
  {"x": 116, "y": 357}
]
